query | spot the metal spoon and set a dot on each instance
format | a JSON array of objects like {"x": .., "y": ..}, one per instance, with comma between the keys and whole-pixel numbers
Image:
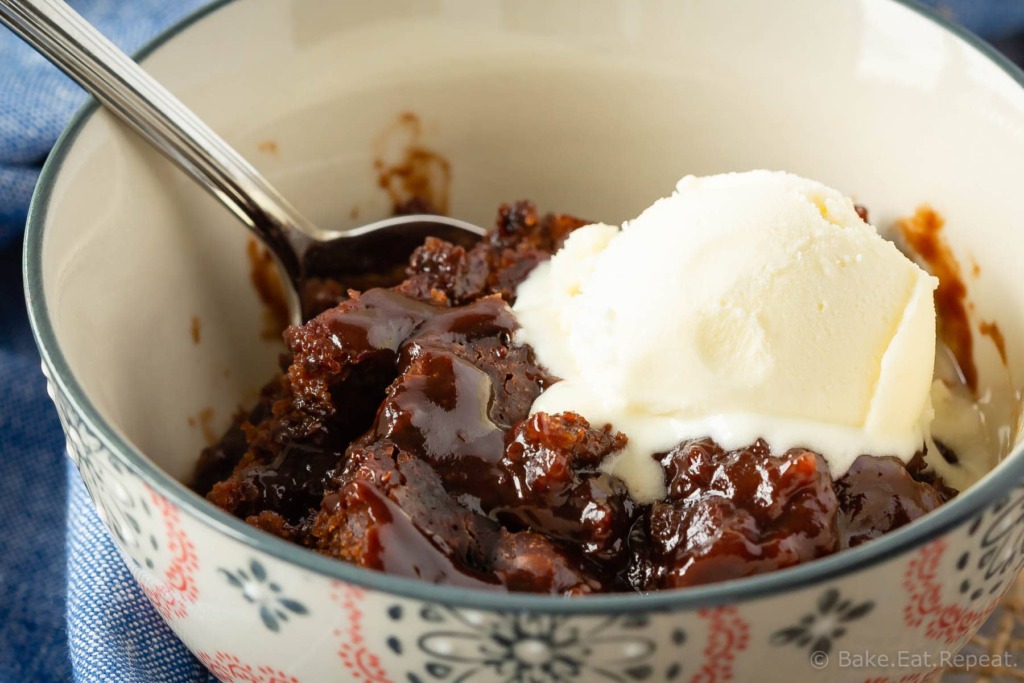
[{"x": 61, "y": 35}]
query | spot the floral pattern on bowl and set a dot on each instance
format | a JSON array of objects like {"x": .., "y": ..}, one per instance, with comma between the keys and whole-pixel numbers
[{"x": 188, "y": 571}]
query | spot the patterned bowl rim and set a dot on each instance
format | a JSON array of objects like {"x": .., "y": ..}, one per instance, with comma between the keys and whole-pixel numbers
[{"x": 950, "y": 515}]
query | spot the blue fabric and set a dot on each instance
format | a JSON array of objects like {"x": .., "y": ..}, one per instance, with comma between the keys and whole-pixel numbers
[
  {"x": 32, "y": 490},
  {"x": 993, "y": 19},
  {"x": 43, "y": 560},
  {"x": 130, "y": 644},
  {"x": 68, "y": 607}
]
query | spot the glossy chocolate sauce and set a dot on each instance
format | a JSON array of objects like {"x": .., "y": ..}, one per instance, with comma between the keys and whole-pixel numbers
[{"x": 398, "y": 438}]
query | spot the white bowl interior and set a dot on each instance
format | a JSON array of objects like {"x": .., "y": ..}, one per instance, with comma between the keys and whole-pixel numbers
[{"x": 594, "y": 108}]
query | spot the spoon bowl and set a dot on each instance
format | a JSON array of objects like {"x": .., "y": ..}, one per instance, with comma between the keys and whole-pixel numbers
[{"x": 384, "y": 245}]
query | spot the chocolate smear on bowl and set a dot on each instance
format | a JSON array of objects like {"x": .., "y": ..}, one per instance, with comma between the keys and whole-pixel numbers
[
  {"x": 266, "y": 280},
  {"x": 923, "y": 234},
  {"x": 203, "y": 420},
  {"x": 992, "y": 331},
  {"x": 416, "y": 177}
]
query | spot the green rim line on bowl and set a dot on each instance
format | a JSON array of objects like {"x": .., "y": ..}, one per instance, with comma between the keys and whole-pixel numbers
[{"x": 901, "y": 540}]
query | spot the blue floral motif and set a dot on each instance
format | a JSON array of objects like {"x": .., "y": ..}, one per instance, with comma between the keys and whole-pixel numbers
[
  {"x": 102, "y": 474},
  {"x": 989, "y": 569},
  {"x": 468, "y": 646},
  {"x": 818, "y": 629},
  {"x": 258, "y": 589}
]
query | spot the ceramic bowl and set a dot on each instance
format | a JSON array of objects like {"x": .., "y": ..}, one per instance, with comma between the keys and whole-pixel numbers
[{"x": 150, "y": 329}]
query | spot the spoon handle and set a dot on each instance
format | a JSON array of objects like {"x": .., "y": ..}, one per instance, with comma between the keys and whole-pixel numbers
[{"x": 99, "y": 66}]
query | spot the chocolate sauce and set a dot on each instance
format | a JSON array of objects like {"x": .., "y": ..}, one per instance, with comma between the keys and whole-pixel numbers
[
  {"x": 730, "y": 514},
  {"x": 440, "y": 410},
  {"x": 399, "y": 438},
  {"x": 403, "y": 549},
  {"x": 879, "y": 494}
]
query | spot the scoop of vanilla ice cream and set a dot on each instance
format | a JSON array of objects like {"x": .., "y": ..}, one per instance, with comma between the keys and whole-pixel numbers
[{"x": 744, "y": 306}]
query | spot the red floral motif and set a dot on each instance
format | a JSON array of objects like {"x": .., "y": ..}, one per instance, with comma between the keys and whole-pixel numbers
[
  {"x": 173, "y": 596},
  {"x": 946, "y": 622},
  {"x": 229, "y": 669},
  {"x": 358, "y": 660},
  {"x": 921, "y": 677},
  {"x": 728, "y": 634}
]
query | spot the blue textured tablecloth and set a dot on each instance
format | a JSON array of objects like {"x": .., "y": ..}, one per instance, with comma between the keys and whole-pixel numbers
[
  {"x": 60, "y": 576},
  {"x": 68, "y": 607}
]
